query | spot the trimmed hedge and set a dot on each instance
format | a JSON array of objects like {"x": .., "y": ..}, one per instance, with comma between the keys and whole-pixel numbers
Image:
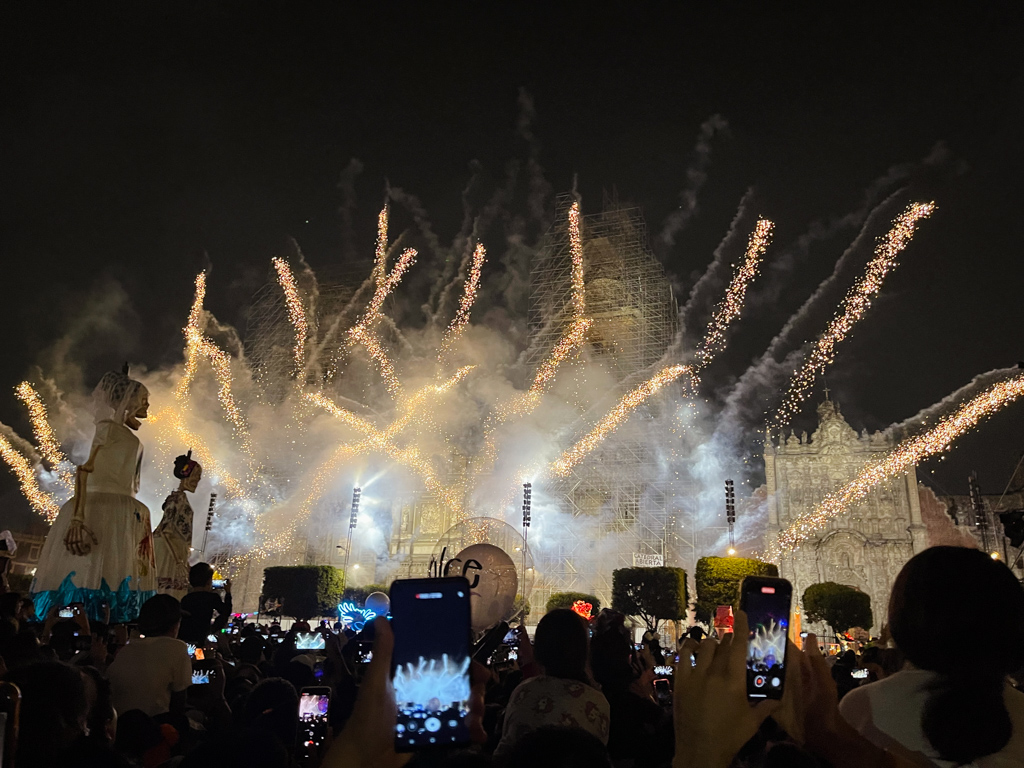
[
  {"x": 305, "y": 591},
  {"x": 718, "y": 581},
  {"x": 653, "y": 594}
]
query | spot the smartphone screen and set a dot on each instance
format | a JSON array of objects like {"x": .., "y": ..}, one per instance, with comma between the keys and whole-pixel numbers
[
  {"x": 309, "y": 641},
  {"x": 220, "y": 583},
  {"x": 314, "y": 705},
  {"x": 859, "y": 674},
  {"x": 766, "y": 602},
  {"x": 665, "y": 670},
  {"x": 430, "y": 618},
  {"x": 201, "y": 676},
  {"x": 66, "y": 613}
]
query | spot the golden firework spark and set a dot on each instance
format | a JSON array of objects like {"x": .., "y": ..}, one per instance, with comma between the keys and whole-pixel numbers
[
  {"x": 41, "y": 501},
  {"x": 377, "y": 440},
  {"x": 853, "y": 308},
  {"x": 364, "y": 332},
  {"x": 196, "y": 345},
  {"x": 579, "y": 304},
  {"x": 900, "y": 460},
  {"x": 296, "y": 312},
  {"x": 729, "y": 308},
  {"x": 564, "y": 464},
  {"x": 46, "y": 438},
  {"x": 461, "y": 320}
]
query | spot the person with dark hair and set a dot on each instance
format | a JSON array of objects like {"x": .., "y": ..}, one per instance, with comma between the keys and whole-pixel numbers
[
  {"x": 563, "y": 695},
  {"x": 641, "y": 731},
  {"x": 54, "y": 712},
  {"x": 201, "y": 603},
  {"x": 154, "y": 672},
  {"x": 950, "y": 703}
]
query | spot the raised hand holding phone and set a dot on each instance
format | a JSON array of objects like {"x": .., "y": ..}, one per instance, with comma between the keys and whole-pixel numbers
[
  {"x": 431, "y": 623},
  {"x": 766, "y": 601},
  {"x": 713, "y": 717}
]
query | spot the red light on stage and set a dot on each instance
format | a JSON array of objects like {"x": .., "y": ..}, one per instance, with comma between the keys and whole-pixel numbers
[{"x": 767, "y": 590}]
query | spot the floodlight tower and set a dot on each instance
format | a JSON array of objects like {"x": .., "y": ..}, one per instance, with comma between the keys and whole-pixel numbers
[
  {"x": 978, "y": 505},
  {"x": 527, "y": 507},
  {"x": 730, "y": 514},
  {"x": 352, "y": 521},
  {"x": 209, "y": 521}
]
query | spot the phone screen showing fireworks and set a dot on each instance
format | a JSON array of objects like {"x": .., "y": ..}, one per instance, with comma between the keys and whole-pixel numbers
[
  {"x": 314, "y": 705},
  {"x": 766, "y": 602},
  {"x": 430, "y": 618}
]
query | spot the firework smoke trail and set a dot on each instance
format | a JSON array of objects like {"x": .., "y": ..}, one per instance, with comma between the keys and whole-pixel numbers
[
  {"x": 853, "y": 308},
  {"x": 564, "y": 464},
  {"x": 725, "y": 313},
  {"x": 523, "y": 404},
  {"x": 41, "y": 501},
  {"x": 948, "y": 403},
  {"x": 296, "y": 313},
  {"x": 461, "y": 320},
  {"x": 696, "y": 175},
  {"x": 906, "y": 455},
  {"x": 46, "y": 438},
  {"x": 729, "y": 308}
]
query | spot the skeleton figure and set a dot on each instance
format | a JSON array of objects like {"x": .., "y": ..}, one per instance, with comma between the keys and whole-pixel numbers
[{"x": 99, "y": 551}]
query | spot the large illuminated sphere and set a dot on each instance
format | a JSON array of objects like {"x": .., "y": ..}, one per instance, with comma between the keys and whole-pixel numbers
[
  {"x": 492, "y": 581},
  {"x": 378, "y": 602}
]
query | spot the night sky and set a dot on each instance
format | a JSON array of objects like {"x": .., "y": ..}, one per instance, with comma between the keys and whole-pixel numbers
[{"x": 142, "y": 142}]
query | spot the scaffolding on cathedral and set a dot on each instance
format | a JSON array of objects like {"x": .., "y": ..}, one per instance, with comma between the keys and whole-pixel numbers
[{"x": 623, "y": 501}]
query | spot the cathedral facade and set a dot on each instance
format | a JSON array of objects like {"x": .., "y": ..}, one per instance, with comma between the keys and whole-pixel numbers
[{"x": 869, "y": 543}]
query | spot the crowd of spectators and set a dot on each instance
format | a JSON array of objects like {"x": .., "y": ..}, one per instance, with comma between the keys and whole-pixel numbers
[{"x": 578, "y": 694}]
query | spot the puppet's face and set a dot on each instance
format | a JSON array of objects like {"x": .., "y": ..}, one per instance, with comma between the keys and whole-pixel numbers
[
  {"x": 191, "y": 482},
  {"x": 139, "y": 409}
]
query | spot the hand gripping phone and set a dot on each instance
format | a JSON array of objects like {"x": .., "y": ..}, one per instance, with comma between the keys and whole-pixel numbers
[
  {"x": 314, "y": 707},
  {"x": 430, "y": 619},
  {"x": 766, "y": 601}
]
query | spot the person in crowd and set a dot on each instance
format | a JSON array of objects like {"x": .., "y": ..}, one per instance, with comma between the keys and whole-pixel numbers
[
  {"x": 640, "y": 733},
  {"x": 154, "y": 672},
  {"x": 563, "y": 695},
  {"x": 201, "y": 603},
  {"x": 54, "y": 719},
  {"x": 951, "y": 704},
  {"x": 842, "y": 672}
]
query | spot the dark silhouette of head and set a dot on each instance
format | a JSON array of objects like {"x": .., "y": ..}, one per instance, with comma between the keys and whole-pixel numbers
[
  {"x": 965, "y": 717},
  {"x": 200, "y": 574},
  {"x": 560, "y": 645}
]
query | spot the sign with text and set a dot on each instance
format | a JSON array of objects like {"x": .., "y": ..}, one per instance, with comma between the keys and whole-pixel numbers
[{"x": 647, "y": 561}]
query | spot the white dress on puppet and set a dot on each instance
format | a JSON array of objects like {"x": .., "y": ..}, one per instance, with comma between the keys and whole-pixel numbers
[
  {"x": 172, "y": 542},
  {"x": 172, "y": 539},
  {"x": 119, "y": 569}
]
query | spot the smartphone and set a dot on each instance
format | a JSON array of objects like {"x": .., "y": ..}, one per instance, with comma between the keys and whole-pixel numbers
[
  {"x": 663, "y": 690},
  {"x": 202, "y": 676},
  {"x": 766, "y": 601},
  {"x": 66, "y": 612},
  {"x": 212, "y": 639},
  {"x": 860, "y": 674},
  {"x": 430, "y": 619},
  {"x": 665, "y": 670},
  {"x": 309, "y": 641},
  {"x": 220, "y": 583},
  {"x": 314, "y": 705}
]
